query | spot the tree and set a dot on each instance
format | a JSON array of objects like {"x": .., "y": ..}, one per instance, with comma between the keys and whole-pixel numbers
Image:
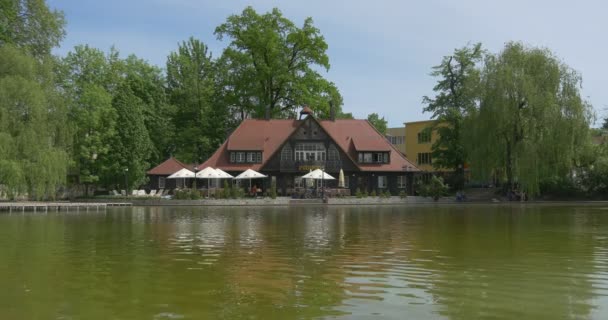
[
  {"x": 190, "y": 86},
  {"x": 268, "y": 67},
  {"x": 457, "y": 92},
  {"x": 148, "y": 83},
  {"x": 131, "y": 144},
  {"x": 531, "y": 119},
  {"x": 31, "y": 25},
  {"x": 379, "y": 123},
  {"x": 88, "y": 78},
  {"x": 33, "y": 134}
]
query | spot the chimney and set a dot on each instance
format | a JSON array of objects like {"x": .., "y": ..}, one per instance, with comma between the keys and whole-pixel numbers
[
  {"x": 267, "y": 113},
  {"x": 306, "y": 111},
  {"x": 332, "y": 111}
]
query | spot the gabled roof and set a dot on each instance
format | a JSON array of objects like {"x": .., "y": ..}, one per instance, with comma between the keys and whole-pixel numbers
[
  {"x": 252, "y": 135},
  {"x": 168, "y": 167},
  {"x": 360, "y": 135},
  {"x": 268, "y": 136}
]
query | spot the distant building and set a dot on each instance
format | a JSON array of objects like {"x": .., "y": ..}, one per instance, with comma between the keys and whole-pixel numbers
[
  {"x": 419, "y": 139},
  {"x": 396, "y": 136}
]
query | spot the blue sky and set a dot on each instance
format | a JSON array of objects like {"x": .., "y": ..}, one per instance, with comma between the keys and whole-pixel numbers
[{"x": 381, "y": 52}]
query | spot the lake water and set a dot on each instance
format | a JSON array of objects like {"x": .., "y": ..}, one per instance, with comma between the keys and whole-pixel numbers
[{"x": 425, "y": 262}]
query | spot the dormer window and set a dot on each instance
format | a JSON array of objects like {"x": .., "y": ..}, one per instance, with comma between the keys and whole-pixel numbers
[
  {"x": 245, "y": 157},
  {"x": 373, "y": 157}
]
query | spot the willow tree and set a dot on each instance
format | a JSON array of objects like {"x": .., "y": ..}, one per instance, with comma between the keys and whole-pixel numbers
[
  {"x": 270, "y": 65},
  {"x": 531, "y": 118},
  {"x": 33, "y": 132}
]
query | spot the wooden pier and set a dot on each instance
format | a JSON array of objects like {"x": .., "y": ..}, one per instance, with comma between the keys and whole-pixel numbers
[{"x": 58, "y": 206}]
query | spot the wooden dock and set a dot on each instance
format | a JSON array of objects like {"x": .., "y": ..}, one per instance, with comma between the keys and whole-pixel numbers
[{"x": 58, "y": 206}]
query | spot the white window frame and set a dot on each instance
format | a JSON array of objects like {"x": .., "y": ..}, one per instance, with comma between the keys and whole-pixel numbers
[
  {"x": 232, "y": 157},
  {"x": 240, "y": 157},
  {"x": 250, "y": 157},
  {"x": 382, "y": 182},
  {"x": 401, "y": 182},
  {"x": 310, "y": 151}
]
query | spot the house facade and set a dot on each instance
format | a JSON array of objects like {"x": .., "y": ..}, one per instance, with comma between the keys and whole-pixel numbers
[
  {"x": 157, "y": 176},
  {"x": 396, "y": 136},
  {"x": 287, "y": 149}
]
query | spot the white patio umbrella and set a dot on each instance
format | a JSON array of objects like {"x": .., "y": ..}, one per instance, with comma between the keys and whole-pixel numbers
[
  {"x": 341, "y": 179},
  {"x": 223, "y": 173},
  {"x": 250, "y": 174},
  {"x": 318, "y": 174},
  {"x": 208, "y": 173},
  {"x": 181, "y": 174}
]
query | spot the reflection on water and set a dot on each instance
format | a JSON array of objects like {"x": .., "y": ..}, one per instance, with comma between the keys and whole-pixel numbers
[{"x": 433, "y": 262}]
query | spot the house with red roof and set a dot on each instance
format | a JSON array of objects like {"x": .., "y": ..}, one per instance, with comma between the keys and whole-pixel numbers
[
  {"x": 286, "y": 149},
  {"x": 157, "y": 176}
]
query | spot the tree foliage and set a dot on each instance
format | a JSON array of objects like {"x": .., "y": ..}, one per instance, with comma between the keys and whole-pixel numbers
[
  {"x": 379, "y": 123},
  {"x": 269, "y": 65},
  {"x": 457, "y": 92},
  {"x": 33, "y": 135},
  {"x": 31, "y": 25},
  {"x": 531, "y": 120},
  {"x": 190, "y": 86}
]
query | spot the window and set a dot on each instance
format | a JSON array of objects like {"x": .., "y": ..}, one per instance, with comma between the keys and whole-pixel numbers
[
  {"x": 161, "y": 182},
  {"x": 401, "y": 182},
  {"x": 424, "y": 136},
  {"x": 333, "y": 154},
  {"x": 240, "y": 157},
  {"x": 258, "y": 157},
  {"x": 232, "y": 157},
  {"x": 381, "y": 182},
  {"x": 346, "y": 181},
  {"x": 373, "y": 157},
  {"x": 297, "y": 182},
  {"x": 287, "y": 153},
  {"x": 424, "y": 158},
  {"x": 180, "y": 183},
  {"x": 310, "y": 152},
  {"x": 396, "y": 139}
]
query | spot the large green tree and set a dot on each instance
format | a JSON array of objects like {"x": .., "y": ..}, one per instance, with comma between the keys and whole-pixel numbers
[
  {"x": 88, "y": 79},
  {"x": 190, "y": 86},
  {"x": 531, "y": 120},
  {"x": 379, "y": 123},
  {"x": 148, "y": 83},
  {"x": 456, "y": 92},
  {"x": 33, "y": 132},
  {"x": 31, "y": 25},
  {"x": 131, "y": 145},
  {"x": 270, "y": 66}
]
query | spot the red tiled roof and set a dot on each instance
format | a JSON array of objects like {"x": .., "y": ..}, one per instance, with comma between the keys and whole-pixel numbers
[
  {"x": 252, "y": 134},
  {"x": 169, "y": 167},
  {"x": 360, "y": 135},
  {"x": 269, "y": 135}
]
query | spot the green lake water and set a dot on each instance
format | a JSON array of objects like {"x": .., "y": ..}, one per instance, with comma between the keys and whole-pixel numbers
[{"x": 420, "y": 262}]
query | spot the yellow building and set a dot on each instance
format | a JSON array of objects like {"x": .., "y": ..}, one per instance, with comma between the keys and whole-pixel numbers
[
  {"x": 419, "y": 139},
  {"x": 396, "y": 136}
]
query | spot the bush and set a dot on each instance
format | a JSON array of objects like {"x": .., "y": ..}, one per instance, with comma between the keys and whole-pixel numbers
[
  {"x": 402, "y": 194},
  {"x": 226, "y": 192},
  {"x": 434, "y": 189},
  {"x": 195, "y": 195},
  {"x": 273, "y": 189},
  {"x": 373, "y": 193},
  {"x": 358, "y": 193}
]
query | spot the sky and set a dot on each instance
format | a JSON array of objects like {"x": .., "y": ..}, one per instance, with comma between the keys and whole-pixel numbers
[{"x": 381, "y": 52}]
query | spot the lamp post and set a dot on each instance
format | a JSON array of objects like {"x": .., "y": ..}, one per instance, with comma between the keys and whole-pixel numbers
[
  {"x": 322, "y": 183},
  {"x": 127, "y": 181}
]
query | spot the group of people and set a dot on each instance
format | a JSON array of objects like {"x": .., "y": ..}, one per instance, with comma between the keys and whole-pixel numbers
[{"x": 255, "y": 191}]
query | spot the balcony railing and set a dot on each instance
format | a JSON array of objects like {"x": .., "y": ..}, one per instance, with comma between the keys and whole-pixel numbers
[{"x": 308, "y": 165}]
